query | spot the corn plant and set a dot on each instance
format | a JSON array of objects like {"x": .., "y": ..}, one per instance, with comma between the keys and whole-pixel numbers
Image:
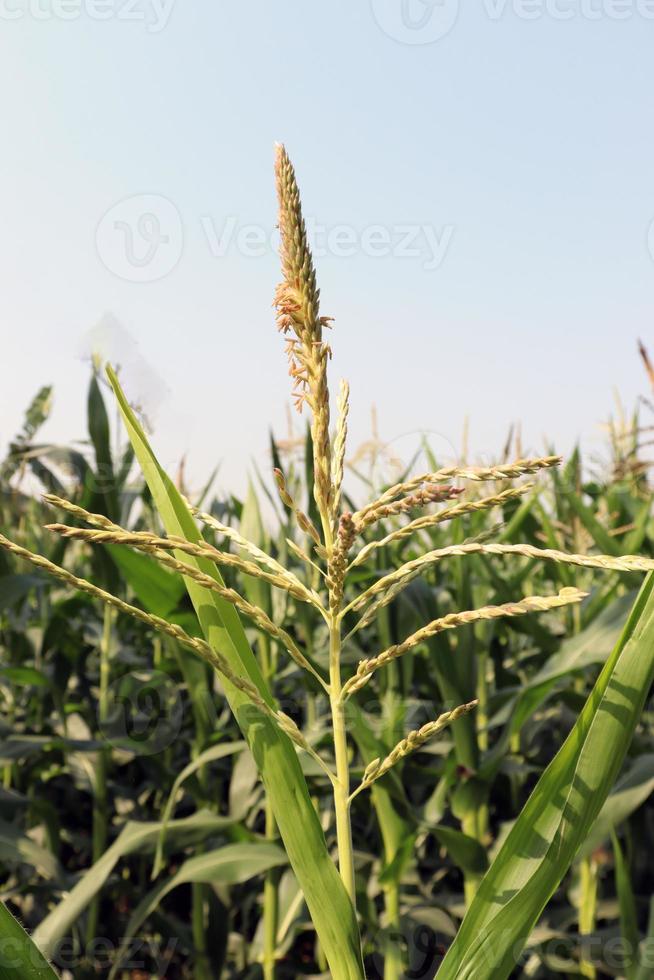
[{"x": 325, "y": 581}]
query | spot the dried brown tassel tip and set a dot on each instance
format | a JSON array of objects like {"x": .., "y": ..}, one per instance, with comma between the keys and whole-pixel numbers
[{"x": 298, "y": 316}]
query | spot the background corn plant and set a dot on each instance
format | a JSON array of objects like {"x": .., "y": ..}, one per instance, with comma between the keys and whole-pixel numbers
[{"x": 136, "y": 836}]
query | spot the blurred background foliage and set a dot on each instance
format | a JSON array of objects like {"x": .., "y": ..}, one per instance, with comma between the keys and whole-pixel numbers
[{"x": 130, "y": 811}]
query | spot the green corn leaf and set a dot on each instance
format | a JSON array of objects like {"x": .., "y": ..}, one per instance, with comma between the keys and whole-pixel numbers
[
  {"x": 630, "y": 792},
  {"x": 18, "y": 848},
  {"x": 204, "y": 758},
  {"x": 230, "y": 864},
  {"x": 567, "y": 799},
  {"x": 578, "y": 652},
  {"x": 25, "y": 676},
  {"x": 104, "y": 479},
  {"x": 14, "y": 588},
  {"x": 330, "y": 907},
  {"x": 251, "y": 527},
  {"x": 604, "y": 541},
  {"x": 21, "y": 957},
  {"x": 465, "y": 851},
  {"x": 643, "y": 971},
  {"x": 158, "y": 590},
  {"x": 627, "y": 903},
  {"x": 141, "y": 837},
  {"x": 634, "y": 540}
]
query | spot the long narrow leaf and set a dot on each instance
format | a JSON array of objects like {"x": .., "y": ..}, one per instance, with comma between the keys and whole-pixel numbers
[
  {"x": 141, "y": 837},
  {"x": 331, "y": 909},
  {"x": 230, "y": 864},
  {"x": 204, "y": 758},
  {"x": 21, "y": 957},
  {"x": 627, "y": 904},
  {"x": 545, "y": 838}
]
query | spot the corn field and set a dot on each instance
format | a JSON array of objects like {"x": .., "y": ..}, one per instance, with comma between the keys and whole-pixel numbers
[{"x": 363, "y": 722}]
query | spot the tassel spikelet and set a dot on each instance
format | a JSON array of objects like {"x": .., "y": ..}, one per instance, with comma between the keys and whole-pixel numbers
[
  {"x": 97, "y": 520},
  {"x": 288, "y": 582},
  {"x": 414, "y": 740},
  {"x": 236, "y": 538},
  {"x": 258, "y": 616},
  {"x": 419, "y": 498},
  {"x": 100, "y": 521},
  {"x": 507, "y": 610},
  {"x": 298, "y": 317},
  {"x": 303, "y": 556},
  {"x": 338, "y": 459},
  {"x": 332, "y": 538},
  {"x": 337, "y": 566},
  {"x": 479, "y": 474},
  {"x": 199, "y": 646},
  {"x": 400, "y": 578},
  {"x": 303, "y": 522},
  {"x": 428, "y": 521},
  {"x": 103, "y": 523}
]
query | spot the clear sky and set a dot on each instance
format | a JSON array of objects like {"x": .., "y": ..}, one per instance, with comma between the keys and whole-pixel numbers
[{"x": 480, "y": 181}]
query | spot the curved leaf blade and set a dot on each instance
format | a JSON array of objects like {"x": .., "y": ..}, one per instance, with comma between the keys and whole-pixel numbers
[
  {"x": 21, "y": 956},
  {"x": 141, "y": 837},
  {"x": 563, "y": 806},
  {"x": 231, "y": 864},
  {"x": 211, "y": 754},
  {"x": 331, "y": 910}
]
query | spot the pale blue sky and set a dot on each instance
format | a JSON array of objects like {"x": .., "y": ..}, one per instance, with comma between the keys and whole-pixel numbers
[{"x": 519, "y": 153}]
